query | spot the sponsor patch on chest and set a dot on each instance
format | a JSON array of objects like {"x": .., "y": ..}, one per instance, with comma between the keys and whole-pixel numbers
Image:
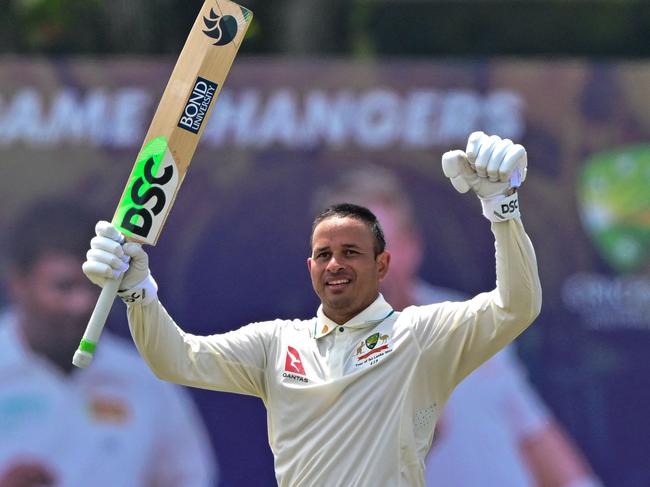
[
  {"x": 294, "y": 370},
  {"x": 373, "y": 349}
]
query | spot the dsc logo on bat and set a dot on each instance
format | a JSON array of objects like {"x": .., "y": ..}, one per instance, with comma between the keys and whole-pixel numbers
[{"x": 149, "y": 193}]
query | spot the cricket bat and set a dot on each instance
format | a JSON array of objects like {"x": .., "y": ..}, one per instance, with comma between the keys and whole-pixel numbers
[{"x": 169, "y": 145}]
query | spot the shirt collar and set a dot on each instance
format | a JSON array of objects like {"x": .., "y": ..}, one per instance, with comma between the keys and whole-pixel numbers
[{"x": 377, "y": 312}]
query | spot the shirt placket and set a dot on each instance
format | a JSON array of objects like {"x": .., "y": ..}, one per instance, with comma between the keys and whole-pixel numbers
[{"x": 340, "y": 351}]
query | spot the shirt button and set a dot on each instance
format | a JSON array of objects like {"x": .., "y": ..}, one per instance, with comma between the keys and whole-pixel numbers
[{"x": 341, "y": 329}]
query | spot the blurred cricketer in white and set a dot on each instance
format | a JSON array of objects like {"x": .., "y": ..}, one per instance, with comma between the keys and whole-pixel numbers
[
  {"x": 353, "y": 394},
  {"x": 110, "y": 425}
]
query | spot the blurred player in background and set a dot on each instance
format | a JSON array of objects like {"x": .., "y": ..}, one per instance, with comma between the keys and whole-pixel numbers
[
  {"x": 112, "y": 424},
  {"x": 495, "y": 430}
]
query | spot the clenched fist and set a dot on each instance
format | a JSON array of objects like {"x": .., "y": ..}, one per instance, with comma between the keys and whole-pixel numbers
[{"x": 493, "y": 168}]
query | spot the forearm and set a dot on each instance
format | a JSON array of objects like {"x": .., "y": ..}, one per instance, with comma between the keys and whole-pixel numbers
[
  {"x": 518, "y": 291},
  {"x": 230, "y": 362},
  {"x": 161, "y": 343},
  {"x": 490, "y": 321}
]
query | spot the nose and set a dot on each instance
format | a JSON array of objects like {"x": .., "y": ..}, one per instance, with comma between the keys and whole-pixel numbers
[
  {"x": 333, "y": 265},
  {"x": 81, "y": 300}
]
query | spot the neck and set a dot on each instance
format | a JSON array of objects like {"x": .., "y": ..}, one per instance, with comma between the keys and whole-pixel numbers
[
  {"x": 45, "y": 346},
  {"x": 340, "y": 318}
]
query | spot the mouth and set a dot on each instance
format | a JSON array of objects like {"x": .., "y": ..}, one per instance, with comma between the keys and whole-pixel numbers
[{"x": 337, "y": 283}]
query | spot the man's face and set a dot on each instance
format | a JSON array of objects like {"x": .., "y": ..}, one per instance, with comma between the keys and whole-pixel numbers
[
  {"x": 55, "y": 301},
  {"x": 344, "y": 270}
]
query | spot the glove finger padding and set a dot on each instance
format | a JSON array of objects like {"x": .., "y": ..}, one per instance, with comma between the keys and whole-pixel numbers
[
  {"x": 488, "y": 146},
  {"x": 456, "y": 167},
  {"x": 473, "y": 144},
  {"x": 108, "y": 251},
  {"x": 514, "y": 166},
  {"x": 116, "y": 266},
  {"x": 105, "y": 259},
  {"x": 495, "y": 163},
  {"x": 108, "y": 230},
  {"x": 98, "y": 272}
]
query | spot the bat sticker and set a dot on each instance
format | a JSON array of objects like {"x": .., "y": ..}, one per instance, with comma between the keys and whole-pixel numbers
[
  {"x": 152, "y": 187},
  {"x": 222, "y": 29}
]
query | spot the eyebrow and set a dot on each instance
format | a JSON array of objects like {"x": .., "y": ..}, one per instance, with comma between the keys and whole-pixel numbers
[{"x": 327, "y": 247}]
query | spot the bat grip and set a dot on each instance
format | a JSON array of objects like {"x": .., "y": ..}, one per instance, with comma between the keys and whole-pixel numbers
[{"x": 84, "y": 354}]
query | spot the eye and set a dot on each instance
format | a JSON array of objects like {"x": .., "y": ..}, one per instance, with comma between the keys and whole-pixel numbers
[
  {"x": 350, "y": 252},
  {"x": 322, "y": 255},
  {"x": 63, "y": 285}
]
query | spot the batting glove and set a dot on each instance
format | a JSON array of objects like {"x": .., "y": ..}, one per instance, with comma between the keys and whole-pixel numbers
[
  {"x": 111, "y": 257},
  {"x": 493, "y": 168}
]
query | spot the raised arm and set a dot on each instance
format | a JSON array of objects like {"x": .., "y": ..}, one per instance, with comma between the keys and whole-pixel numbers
[
  {"x": 466, "y": 334},
  {"x": 231, "y": 362}
]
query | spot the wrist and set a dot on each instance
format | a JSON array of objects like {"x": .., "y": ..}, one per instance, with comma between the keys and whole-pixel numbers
[
  {"x": 501, "y": 208},
  {"x": 143, "y": 293}
]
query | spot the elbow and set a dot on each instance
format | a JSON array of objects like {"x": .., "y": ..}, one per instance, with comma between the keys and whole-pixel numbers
[
  {"x": 162, "y": 373},
  {"x": 535, "y": 306}
]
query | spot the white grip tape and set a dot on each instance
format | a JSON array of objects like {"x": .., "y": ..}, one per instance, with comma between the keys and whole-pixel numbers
[{"x": 501, "y": 208}]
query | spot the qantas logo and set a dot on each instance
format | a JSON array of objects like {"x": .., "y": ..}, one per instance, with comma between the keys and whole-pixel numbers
[
  {"x": 222, "y": 29},
  {"x": 293, "y": 363}
]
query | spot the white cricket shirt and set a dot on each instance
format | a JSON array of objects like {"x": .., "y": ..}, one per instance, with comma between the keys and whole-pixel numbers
[
  {"x": 109, "y": 425},
  {"x": 486, "y": 419},
  {"x": 353, "y": 405}
]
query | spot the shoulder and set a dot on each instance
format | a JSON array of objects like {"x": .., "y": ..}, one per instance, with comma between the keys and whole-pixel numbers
[
  {"x": 267, "y": 333},
  {"x": 280, "y": 326}
]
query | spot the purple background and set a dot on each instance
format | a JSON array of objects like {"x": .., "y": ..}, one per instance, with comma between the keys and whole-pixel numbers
[{"x": 233, "y": 250}]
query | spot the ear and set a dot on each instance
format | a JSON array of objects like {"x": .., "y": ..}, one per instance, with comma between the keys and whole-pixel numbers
[
  {"x": 383, "y": 263},
  {"x": 309, "y": 263}
]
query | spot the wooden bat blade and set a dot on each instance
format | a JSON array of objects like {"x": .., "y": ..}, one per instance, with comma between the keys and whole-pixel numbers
[
  {"x": 180, "y": 119},
  {"x": 171, "y": 140}
]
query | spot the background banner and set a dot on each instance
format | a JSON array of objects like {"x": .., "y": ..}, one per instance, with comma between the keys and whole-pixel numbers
[{"x": 235, "y": 245}]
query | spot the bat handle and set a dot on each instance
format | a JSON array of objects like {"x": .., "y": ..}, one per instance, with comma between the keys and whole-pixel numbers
[{"x": 84, "y": 354}]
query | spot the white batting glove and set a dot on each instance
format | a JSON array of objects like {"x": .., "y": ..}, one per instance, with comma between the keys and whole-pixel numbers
[
  {"x": 110, "y": 257},
  {"x": 493, "y": 168}
]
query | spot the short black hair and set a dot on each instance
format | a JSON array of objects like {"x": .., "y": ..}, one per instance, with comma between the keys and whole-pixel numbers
[
  {"x": 54, "y": 225},
  {"x": 358, "y": 212}
]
